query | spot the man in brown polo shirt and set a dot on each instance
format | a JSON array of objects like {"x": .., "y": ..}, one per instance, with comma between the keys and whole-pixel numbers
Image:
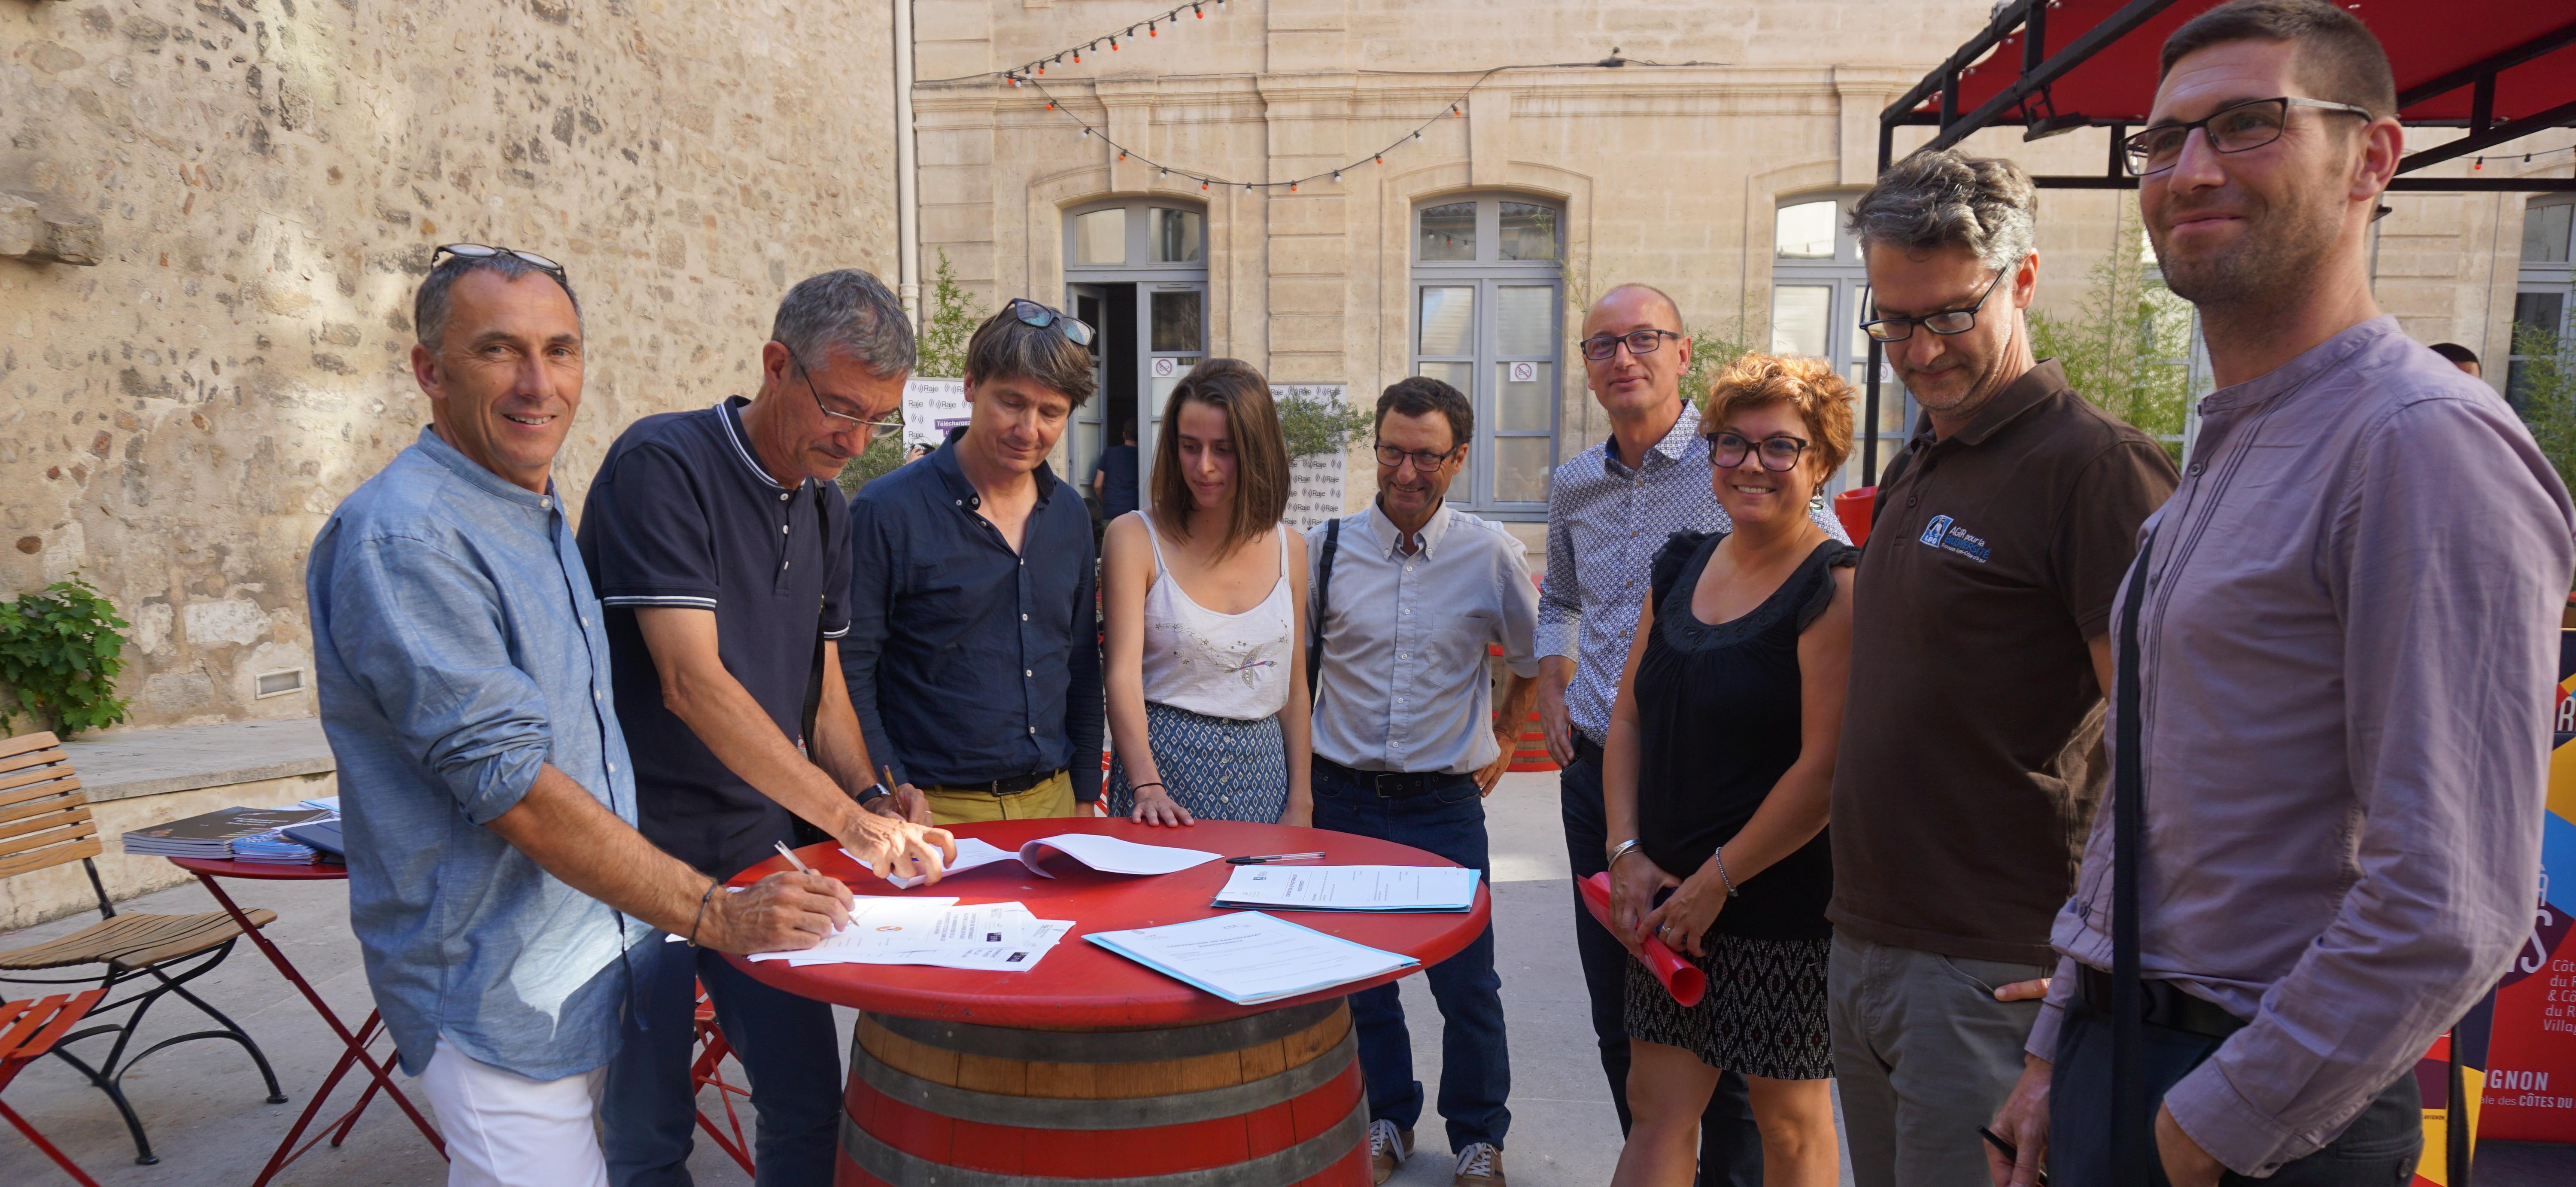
[{"x": 1970, "y": 755}]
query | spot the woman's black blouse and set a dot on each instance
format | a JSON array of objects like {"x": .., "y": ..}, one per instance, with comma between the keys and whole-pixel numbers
[{"x": 1719, "y": 712}]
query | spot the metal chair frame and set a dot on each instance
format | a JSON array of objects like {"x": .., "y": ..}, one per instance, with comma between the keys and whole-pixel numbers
[
  {"x": 28, "y": 1028},
  {"x": 31, "y": 756}
]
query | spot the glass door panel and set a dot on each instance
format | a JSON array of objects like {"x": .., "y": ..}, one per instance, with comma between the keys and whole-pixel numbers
[{"x": 1799, "y": 315}]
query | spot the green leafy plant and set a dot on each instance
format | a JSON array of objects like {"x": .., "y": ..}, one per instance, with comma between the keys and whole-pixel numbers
[
  {"x": 2544, "y": 386},
  {"x": 941, "y": 347},
  {"x": 1316, "y": 426},
  {"x": 60, "y": 652},
  {"x": 2126, "y": 346},
  {"x": 954, "y": 314},
  {"x": 1712, "y": 348}
]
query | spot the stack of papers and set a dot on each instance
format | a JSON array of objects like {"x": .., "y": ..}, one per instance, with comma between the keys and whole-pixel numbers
[
  {"x": 1109, "y": 855},
  {"x": 1351, "y": 888},
  {"x": 215, "y": 834},
  {"x": 1252, "y": 957},
  {"x": 274, "y": 848},
  {"x": 1000, "y": 937}
]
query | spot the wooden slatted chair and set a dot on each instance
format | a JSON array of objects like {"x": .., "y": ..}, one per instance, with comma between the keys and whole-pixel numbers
[
  {"x": 45, "y": 822},
  {"x": 29, "y": 1029}
]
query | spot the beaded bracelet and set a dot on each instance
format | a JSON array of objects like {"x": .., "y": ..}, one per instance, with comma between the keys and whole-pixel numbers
[
  {"x": 1720, "y": 858},
  {"x": 703, "y": 897}
]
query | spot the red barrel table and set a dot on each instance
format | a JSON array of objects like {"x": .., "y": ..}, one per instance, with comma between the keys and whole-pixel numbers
[{"x": 1092, "y": 1070}]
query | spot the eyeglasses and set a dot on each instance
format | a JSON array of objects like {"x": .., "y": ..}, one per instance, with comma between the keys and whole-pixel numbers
[
  {"x": 1948, "y": 321},
  {"x": 482, "y": 251},
  {"x": 1600, "y": 347},
  {"x": 1780, "y": 452},
  {"x": 1423, "y": 463},
  {"x": 893, "y": 423},
  {"x": 2235, "y": 128},
  {"x": 1031, "y": 313}
]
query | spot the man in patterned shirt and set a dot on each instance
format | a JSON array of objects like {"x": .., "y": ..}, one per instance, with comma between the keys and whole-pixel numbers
[{"x": 1608, "y": 510}]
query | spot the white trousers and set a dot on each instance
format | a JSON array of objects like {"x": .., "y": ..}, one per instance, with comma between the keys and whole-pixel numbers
[{"x": 506, "y": 1130}]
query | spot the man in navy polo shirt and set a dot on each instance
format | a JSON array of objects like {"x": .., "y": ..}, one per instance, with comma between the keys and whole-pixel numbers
[
  {"x": 973, "y": 655},
  {"x": 718, "y": 544}
]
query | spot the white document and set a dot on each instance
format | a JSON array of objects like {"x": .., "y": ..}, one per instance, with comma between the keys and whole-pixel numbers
[
  {"x": 1251, "y": 957},
  {"x": 1351, "y": 888},
  {"x": 1109, "y": 855}
]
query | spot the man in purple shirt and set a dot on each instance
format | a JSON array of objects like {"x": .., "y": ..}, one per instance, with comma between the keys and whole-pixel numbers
[{"x": 2333, "y": 662}]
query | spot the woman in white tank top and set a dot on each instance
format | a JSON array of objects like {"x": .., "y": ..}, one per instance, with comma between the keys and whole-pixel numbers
[{"x": 1203, "y": 593}]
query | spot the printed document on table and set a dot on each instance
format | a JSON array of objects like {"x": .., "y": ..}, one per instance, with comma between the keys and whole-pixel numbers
[
  {"x": 879, "y": 925},
  {"x": 1351, "y": 888},
  {"x": 1251, "y": 957},
  {"x": 1108, "y": 855}
]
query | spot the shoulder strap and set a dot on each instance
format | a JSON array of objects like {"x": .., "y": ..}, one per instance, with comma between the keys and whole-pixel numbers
[
  {"x": 2132, "y": 1140},
  {"x": 1315, "y": 616}
]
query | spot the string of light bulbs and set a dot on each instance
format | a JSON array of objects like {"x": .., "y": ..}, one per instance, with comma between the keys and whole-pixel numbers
[
  {"x": 1456, "y": 106},
  {"x": 1151, "y": 25},
  {"x": 2480, "y": 162}
]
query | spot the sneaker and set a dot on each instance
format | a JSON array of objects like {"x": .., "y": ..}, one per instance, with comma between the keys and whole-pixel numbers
[
  {"x": 1388, "y": 1148},
  {"x": 1479, "y": 1165}
]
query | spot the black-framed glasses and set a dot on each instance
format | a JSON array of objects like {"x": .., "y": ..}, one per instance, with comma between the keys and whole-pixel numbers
[
  {"x": 485, "y": 251},
  {"x": 1600, "y": 347},
  {"x": 1423, "y": 462},
  {"x": 1779, "y": 451},
  {"x": 2237, "y": 127},
  {"x": 1948, "y": 321},
  {"x": 1031, "y": 313},
  {"x": 893, "y": 423}
]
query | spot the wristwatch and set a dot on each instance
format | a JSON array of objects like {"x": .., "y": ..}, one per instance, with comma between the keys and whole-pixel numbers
[
  {"x": 869, "y": 797},
  {"x": 1620, "y": 850}
]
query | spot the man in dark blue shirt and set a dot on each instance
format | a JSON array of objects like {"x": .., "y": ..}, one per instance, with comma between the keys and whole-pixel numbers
[
  {"x": 973, "y": 653},
  {"x": 719, "y": 546},
  {"x": 1115, "y": 483}
]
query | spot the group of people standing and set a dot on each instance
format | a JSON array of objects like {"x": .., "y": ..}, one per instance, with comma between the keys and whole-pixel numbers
[{"x": 2306, "y": 670}]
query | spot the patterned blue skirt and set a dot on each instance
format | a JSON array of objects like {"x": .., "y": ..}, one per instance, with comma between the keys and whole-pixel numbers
[{"x": 1218, "y": 768}]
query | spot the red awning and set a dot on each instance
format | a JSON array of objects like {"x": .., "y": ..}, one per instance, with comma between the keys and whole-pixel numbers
[{"x": 2434, "y": 45}]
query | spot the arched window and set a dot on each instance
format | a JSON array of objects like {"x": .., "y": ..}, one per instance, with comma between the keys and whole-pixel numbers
[
  {"x": 1136, "y": 269},
  {"x": 1489, "y": 315},
  {"x": 1818, "y": 287}
]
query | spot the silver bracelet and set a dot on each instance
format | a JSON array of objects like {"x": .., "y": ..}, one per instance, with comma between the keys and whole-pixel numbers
[
  {"x": 1622, "y": 849},
  {"x": 1719, "y": 856}
]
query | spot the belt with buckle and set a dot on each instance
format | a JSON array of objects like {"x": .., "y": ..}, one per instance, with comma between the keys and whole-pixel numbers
[
  {"x": 1586, "y": 750},
  {"x": 1391, "y": 785},
  {"x": 2166, "y": 1005},
  {"x": 1010, "y": 785}
]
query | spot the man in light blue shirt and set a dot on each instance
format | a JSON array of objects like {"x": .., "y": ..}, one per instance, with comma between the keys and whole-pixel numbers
[
  {"x": 1407, "y": 597},
  {"x": 495, "y": 875}
]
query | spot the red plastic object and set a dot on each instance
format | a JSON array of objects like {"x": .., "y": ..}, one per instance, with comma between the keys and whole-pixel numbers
[
  {"x": 1679, "y": 977},
  {"x": 28, "y": 1029},
  {"x": 1082, "y": 985},
  {"x": 1853, "y": 508}
]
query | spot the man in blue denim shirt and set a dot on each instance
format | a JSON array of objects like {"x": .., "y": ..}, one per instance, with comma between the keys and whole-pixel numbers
[{"x": 493, "y": 859}]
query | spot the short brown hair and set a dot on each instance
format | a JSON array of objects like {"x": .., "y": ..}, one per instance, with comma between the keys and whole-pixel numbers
[
  {"x": 1230, "y": 386},
  {"x": 1822, "y": 398},
  {"x": 2338, "y": 56},
  {"x": 1421, "y": 395},
  {"x": 1005, "y": 347}
]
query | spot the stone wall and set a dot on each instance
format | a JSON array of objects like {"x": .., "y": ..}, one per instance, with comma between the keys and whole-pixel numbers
[{"x": 265, "y": 180}]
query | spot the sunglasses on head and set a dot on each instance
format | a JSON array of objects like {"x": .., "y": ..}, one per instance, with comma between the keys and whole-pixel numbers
[
  {"x": 1031, "y": 313},
  {"x": 485, "y": 251}
]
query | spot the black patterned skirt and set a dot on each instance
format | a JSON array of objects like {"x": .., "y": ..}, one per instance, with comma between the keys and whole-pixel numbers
[
  {"x": 1217, "y": 767},
  {"x": 1763, "y": 1015}
]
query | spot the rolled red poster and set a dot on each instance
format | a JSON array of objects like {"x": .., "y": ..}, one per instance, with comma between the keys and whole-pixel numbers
[{"x": 1677, "y": 975}]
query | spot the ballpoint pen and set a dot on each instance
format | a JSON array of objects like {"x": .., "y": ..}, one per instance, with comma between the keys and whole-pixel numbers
[
  {"x": 790, "y": 855},
  {"x": 1267, "y": 858}
]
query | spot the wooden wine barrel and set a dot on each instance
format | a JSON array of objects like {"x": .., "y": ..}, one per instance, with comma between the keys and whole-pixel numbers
[{"x": 1271, "y": 1100}]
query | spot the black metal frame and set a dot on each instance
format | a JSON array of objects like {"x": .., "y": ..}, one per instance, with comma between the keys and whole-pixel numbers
[
  {"x": 109, "y": 1076},
  {"x": 2026, "y": 103}
]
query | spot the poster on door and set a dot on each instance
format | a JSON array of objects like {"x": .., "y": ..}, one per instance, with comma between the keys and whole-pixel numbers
[
  {"x": 2530, "y": 1089},
  {"x": 1315, "y": 484},
  {"x": 931, "y": 407}
]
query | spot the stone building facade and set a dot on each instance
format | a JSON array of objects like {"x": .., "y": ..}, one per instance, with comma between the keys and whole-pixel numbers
[
  {"x": 264, "y": 181},
  {"x": 1711, "y": 165}
]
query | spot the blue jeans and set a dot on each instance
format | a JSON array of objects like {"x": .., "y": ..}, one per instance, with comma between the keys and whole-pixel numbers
[
  {"x": 786, "y": 1045},
  {"x": 1730, "y": 1148},
  {"x": 1475, "y": 1064}
]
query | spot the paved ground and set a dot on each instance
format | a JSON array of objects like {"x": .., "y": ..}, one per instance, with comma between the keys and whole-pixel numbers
[{"x": 202, "y": 1101}]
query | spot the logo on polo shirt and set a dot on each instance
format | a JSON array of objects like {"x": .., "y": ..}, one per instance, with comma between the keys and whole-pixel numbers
[{"x": 1945, "y": 532}]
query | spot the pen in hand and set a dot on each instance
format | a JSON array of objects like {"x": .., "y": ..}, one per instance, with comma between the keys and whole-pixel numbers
[{"x": 790, "y": 855}]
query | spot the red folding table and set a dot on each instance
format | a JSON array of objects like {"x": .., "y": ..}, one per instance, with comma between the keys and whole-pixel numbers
[{"x": 354, "y": 1044}]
